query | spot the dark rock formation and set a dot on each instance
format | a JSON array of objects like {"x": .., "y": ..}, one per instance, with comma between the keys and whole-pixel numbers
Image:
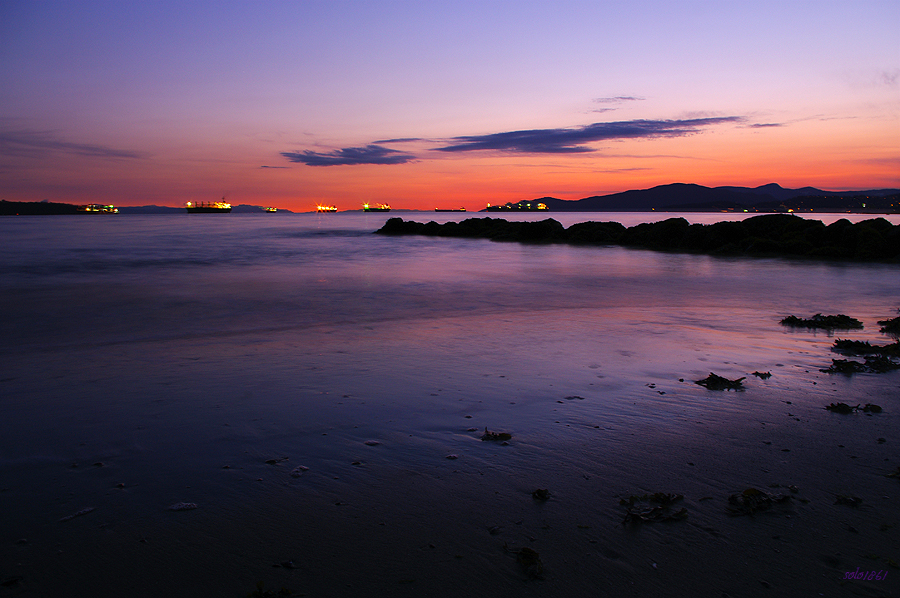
[
  {"x": 874, "y": 240},
  {"x": 841, "y": 321},
  {"x": 496, "y": 229}
]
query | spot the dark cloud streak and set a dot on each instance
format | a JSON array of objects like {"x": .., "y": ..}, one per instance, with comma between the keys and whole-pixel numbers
[
  {"x": 400, "y": 140},
  {"x": 39, "y": 143},
  {"x": 559, "y": 141},
  {"x": 370, "y": 154}
]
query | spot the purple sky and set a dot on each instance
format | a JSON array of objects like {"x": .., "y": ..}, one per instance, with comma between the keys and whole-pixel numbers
[{"x": 425, "y": 103}]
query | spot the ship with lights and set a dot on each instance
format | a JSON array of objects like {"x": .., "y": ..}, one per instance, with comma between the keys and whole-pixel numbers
[
  {"x": 96, "y": 208},
  {"x": 208, "y": 207}
]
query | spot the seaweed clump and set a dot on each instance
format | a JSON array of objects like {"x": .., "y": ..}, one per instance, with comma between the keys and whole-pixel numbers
[
  {"x": 529, "y": 560},
  {"x": 261, "y": 592},
  {"x": 891, "y": 326},
  {"x": 866, "y": 348},
  {"x": 495, "y": 436},
  {"x": 878, "y": 358},
  {"x": 659, "y": 509},
  {"x": 878, "y": 364},
  {"x": 751, "y": 501},
  {"x": 541, "y": 494},
  {"x": 839, "y": 321},
  {"x": 850, "y": 501},
  {"x": 846, "y": 409},
  {"x": 714, "y": 382}
]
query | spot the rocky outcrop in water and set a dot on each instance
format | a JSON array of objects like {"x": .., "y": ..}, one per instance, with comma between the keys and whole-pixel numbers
[{"x": 873, "y": 240}]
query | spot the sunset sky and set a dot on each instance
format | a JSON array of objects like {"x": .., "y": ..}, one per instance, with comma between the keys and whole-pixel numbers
[{"x": 424, "y": 104}]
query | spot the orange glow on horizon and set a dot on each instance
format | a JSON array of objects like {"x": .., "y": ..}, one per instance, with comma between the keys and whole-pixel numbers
[{"x": 742, "y": 157}]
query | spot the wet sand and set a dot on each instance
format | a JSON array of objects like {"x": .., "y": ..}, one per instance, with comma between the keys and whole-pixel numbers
[{"x": 382, "y": 510}]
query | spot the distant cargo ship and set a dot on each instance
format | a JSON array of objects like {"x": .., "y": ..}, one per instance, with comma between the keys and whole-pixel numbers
[
  {"x": 208, "y": 207},
  {"x": 376, "y": 208},
  {"x": 95, "y": 208},
  {"x": 326, "y": 209},
  {"x": 449, "y": 209}
]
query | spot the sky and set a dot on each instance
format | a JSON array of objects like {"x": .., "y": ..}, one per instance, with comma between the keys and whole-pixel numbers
[{"x": 428, "y": 104}]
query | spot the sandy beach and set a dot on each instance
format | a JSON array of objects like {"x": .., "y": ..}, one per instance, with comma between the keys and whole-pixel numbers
[{"x": 383, "y": 508}]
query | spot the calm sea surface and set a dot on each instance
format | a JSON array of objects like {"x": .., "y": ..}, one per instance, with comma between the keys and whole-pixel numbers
[
  {"x": 183, "y": 352},
  {"x": 308, "y": 299},
  {"x": 76, "y": 281}
]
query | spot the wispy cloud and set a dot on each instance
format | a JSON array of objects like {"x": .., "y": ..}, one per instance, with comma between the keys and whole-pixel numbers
[
  {"x": 890, "y": 78},
  {"x": 617, "y": 99},
  {"x": 765, "y": 125},
  {"x": 273, "y": 167},
  {"x": 572, "y": 140},
  {"x": 25, "y": 143},
  {"x": 892, "y": 161},
  {"x": 370, "y": 154},
  {"x": 400, "y": 140}
]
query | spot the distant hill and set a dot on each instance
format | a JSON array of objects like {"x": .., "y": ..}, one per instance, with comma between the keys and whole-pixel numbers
[
  {"x": 682, "y": 197},
  {"x": 35, "y": 208}
]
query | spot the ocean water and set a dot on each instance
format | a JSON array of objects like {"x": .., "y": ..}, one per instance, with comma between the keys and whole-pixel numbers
[{"x": 149, "y": 360}]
